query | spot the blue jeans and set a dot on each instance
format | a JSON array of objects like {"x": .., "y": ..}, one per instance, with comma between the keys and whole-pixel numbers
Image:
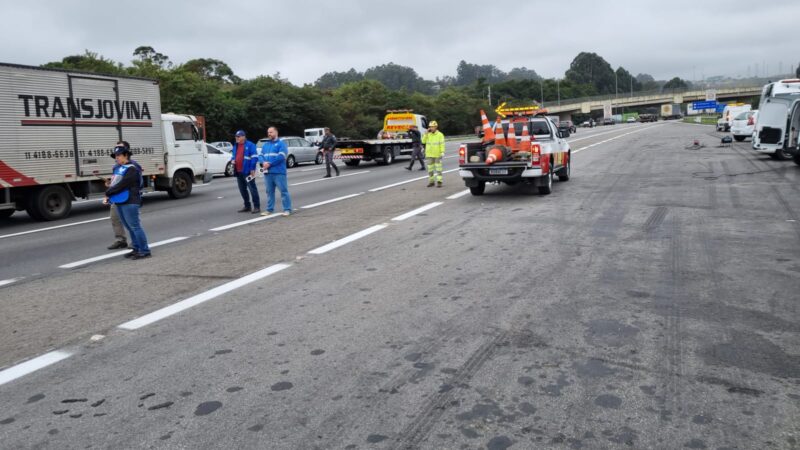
[
  {"x": 277, "y": 179},
  {"x": 129, "y": 216},
  {"x": 244, "y": 186}
]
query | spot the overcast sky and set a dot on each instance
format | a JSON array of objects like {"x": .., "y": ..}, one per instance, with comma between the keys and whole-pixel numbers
[{"x": 303, "y": 39}]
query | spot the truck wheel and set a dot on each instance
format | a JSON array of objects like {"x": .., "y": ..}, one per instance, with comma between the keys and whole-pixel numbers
[
  {"x": 351, "y": 162},
  {"x": 478, "y": 190},
  {"x": 181, "y": 185},
  {"x": 565, "y": 173},
  {"x": 318, "y": 159},
  {"x": 290, "y": 162},
  {"x": 782, "y": 155},
  {"x": 229, "y": 169},
  {"x": 50, "y": 203},
  {"x": 387, "y": 156},
  {"x": 548, "y": 183}
]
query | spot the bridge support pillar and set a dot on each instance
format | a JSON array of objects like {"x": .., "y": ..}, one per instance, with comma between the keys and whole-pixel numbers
[{"x": 586, "y": 107}]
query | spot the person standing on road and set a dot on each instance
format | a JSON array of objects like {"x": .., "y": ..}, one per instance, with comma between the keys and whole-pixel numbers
[
  {"x": 328, "y": 145},
  {"x": 120, "y": 240},
  {"x": 434, "y": 152},
  {"x": 245, "y": 157},
  {"x": 416, "y": 145},
  {"x": 125, "y": 194},
  {"x": 273, "y": 158}
]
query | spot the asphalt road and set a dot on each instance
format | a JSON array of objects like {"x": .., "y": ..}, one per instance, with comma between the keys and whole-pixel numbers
[{"x": 649, "y": 302}]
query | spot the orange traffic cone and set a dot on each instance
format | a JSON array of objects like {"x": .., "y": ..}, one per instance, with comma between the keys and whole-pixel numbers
[
  {"x": 499, "y": 136},
  {"x": 488, "y": 133},
  {"x": 495, "y": 154},
  {"x": 525, "y": 139},
  {"x": 512, "y": 137}
]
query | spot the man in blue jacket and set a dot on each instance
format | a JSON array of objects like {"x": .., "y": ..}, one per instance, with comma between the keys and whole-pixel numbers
[
  {"x": 273, "y": 159},
  {"x": 245, "y": 157}
]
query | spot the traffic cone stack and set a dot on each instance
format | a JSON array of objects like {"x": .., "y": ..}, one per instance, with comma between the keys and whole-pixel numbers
[
  {"x": 499, "y": 136},
  {"x": 488, "y": 133},
  {"x": 525, "y": 139},
  {"x": 512, "y": 137}
]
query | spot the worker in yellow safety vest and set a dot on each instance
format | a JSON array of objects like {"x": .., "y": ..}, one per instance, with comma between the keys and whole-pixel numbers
[{"x": 434, "y": 152}]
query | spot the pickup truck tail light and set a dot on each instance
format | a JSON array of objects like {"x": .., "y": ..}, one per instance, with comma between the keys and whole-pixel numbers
[
  {"x": 462, "y": 154},
  {"x": 536, "y": 151}
]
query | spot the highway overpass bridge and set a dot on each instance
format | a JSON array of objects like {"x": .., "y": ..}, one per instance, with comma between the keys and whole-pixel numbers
[{"x": 586, "y": 105}]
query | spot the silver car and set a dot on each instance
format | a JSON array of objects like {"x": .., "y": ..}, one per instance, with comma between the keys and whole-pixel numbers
[{"x": 300, "y": 151}]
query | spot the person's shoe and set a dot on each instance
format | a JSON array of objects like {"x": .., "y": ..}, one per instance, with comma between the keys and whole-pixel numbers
[
  {"x": 130, "y": 254},
  {"x": 255, "y": 211},
  {"x": 408, "y": 168},
  {"x": 337, "y": 172},
  {"x": 286, "y": 213},
  {"x": 140, "y": 255},
  {"x": 430, "y": 184},
  {"x": 117, "y": 244},
  {"x": 421, "y": 168},
  {"x": 266, "y": 213},
  {"x": 327, "y": 176},
  {"x": 439, "y": 184},
  {"x": 244, "y": 210}
]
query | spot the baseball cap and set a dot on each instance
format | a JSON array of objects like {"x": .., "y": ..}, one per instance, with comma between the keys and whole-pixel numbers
[
  {"x": 120, "y": 150},
  {"x": 240, "y": 133}
]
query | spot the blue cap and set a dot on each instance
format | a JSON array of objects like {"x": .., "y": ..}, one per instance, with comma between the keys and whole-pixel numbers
[
  {"x": 120, "y": 150},
  {"x": 240, "y": 133}
]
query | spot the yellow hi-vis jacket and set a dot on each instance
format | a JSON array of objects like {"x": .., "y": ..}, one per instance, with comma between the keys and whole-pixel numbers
[{"x": 434, "y": 144}]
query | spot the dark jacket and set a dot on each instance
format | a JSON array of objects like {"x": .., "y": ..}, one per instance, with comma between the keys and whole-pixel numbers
[
  {"x": 130, "y": 181},
  {"x": 328, "y": 142},
  {"x": 415, "y": 136}
]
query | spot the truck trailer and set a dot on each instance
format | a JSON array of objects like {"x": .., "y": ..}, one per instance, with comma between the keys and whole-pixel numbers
[{"x": 59, "y": 128}]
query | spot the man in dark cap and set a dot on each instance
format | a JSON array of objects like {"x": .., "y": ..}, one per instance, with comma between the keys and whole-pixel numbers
[{"x": 245, "y": 158}]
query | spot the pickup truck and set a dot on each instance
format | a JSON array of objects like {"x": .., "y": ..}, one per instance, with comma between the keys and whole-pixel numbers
[{"x": 535, "y": 162}]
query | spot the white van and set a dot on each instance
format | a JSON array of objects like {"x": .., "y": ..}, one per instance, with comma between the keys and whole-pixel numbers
[
  {"x": 314, "y": 135},
  {"x": 778, "y": 119},
  {"x": 728, "y": 114}
]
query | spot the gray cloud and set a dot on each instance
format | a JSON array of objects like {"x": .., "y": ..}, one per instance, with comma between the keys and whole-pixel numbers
[{"x": 303, "y": 39}]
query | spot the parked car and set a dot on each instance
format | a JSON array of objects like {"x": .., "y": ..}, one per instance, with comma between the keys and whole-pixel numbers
[
  {"x": 631, "y": 120},
  {"x": 744, "y": 124},
  {"x": 219, "y": 161},
  {"x": 588, "y": 123},
  {"x": 608, "y": 121},
  {"x": 300, "y": 150},
  {"x": 223, "y": 145}
]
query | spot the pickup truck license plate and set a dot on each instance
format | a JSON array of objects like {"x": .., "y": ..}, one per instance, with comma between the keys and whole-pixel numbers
[{"x": 498, "y": 171}]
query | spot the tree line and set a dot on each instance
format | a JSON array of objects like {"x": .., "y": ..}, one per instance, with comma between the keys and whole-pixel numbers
[{"x": 353, "y": 103}]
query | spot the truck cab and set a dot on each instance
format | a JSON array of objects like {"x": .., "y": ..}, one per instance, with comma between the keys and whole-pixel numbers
[{"x": 185, "y": 155}]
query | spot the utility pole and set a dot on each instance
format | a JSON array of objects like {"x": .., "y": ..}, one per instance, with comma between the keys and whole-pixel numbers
[
  {"x": 490, "y": 95},
  {"x": 541, "y": 90},
  {"x": 558, "y": 90}
]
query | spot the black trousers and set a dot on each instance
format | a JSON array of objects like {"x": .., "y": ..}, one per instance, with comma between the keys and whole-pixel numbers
[{"x": 416, "y": 154}]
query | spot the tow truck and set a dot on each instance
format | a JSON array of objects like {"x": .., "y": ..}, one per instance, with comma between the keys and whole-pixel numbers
[
  {"x": 392, "y": 140},
  {"x": 524, "y": 147}
]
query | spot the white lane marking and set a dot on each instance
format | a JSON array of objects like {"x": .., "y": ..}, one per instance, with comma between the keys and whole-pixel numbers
[
  {"x": 613, "y": 138},
  {"x": 183, "y": 305},
  {"x": 594, "y": 135},
  {"x": 244, "y": 222},
  {"x": 331, "y": 178},
  {"x": 460, "y": 194},
  {"x": 406, "y": 181},
  {"x": 313, "y": 168},
  {"x": 347, "y": 240},
  {"x": 40, "y": 362},
  {"x": 52, "y": 228},
  {"x": 9, "y": 281},
  {"x": 314, "y": 205},
  {"x": 419, "y": 210},
  {"x": 113, "y": 254}
]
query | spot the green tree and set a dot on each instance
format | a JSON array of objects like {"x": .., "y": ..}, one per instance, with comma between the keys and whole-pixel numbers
[
  {"x": 333, "y": 80},
  {"x": 456, "y": 112},
  {"x": 149, "y": 63},
  {"x": 589, "y": 68},
  {"x": 675, "y": 83},
  {"x": 522, "y": 73},
  {"x": 467, "y": 73},
  {"x": 211, "y": 69},
  {"x": 397, "y": 77},
  {"x": 797, "y": 71},
  {"x": 88, "y": 62}
]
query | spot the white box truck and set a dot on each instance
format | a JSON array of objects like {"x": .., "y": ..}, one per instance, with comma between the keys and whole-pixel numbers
[{"x": 58, "y": 128}]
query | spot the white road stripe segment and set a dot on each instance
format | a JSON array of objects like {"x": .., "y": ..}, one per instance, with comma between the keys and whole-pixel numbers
[
  {"x": 419, "y": 210},
  {"x": 114, "y": 254},
  {"x": 347, "y": 240},
  {"x": 611, "y": 139},
  {"x": 52, "y": 228},
  {"x": 190, "y": 302},
  {"x": 40, "y": 362},
  {"x": 328, "y": 179},
  {"x": 458, "y": 195},
  {"x": 406, "y": 181},
  {"x": 314, "y": 205},
  {"x": 9, "y": 281},
  {"x": 244, "y": 222}
]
